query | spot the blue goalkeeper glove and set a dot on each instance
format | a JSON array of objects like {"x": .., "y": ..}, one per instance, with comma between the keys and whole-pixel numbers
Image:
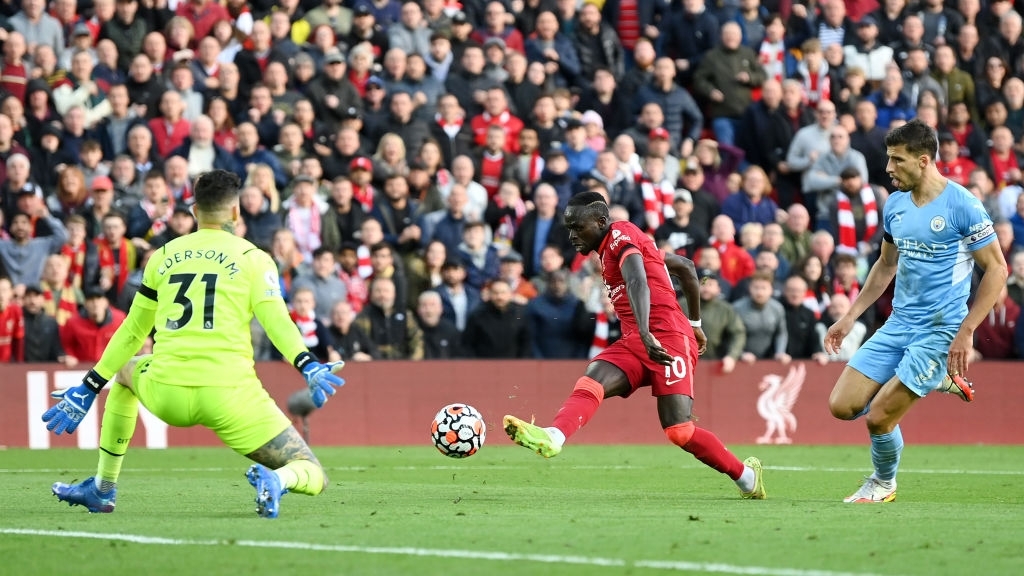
[
  {"x": 319, "y": 377},
  {"x": 74, "y": 404}
]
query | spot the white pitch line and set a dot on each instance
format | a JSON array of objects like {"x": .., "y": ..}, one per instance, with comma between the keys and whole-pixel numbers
[
  {"x": 484, "y": 468},
  {"x": 670, "y": 565}
]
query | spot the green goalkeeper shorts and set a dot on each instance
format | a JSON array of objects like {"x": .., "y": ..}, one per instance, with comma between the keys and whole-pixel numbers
[{"x": 244, "y": 417}]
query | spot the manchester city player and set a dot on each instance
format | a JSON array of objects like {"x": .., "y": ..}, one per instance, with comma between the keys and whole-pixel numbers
[{"x": 935, "y": 233}]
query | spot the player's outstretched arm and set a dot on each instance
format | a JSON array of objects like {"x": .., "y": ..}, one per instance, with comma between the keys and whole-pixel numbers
[
  {"x": 639, "y": 294},
  {"x": 284, "y": 334},
  {"x": 990, "y": 259},
  {"x": 75, "y": 402},
  {"x": 129, "y": 337},
  {"x": 878, "y": 280}
]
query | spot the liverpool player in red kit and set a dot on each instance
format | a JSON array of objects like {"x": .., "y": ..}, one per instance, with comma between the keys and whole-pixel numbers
[{"x": 662, "y": 354}]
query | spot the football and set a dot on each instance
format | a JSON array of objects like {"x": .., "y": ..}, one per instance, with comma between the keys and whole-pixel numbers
[{"x": 458, "y": 430}]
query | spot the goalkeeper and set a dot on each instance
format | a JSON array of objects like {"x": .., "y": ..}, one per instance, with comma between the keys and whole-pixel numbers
[{"x": 200, "y": 292}]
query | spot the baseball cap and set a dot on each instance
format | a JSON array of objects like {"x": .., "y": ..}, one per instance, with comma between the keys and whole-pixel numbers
[
  {"x": 684, "y": 196},
  {"x": 706, "y": 274},
  {"x": 81, "y": 30},
  {"x": 361, "y": 10},
  {"x": 350, "y": 113},
  {"x": 511, "y": 256},
  {"x": 555, "y": 150},
  {"x": 867, "y": 20},
  {"x": 459, "y": 18},
  {"x": 101, "y": 183},
  {"x": 495, "y": 41},
  {"x": 50, "y": 129},
  {"x": 572, "y": 124},
  {"x": 375, "y": 80},
  {"x": 30, "y": 189},
  {"x": 182, "y": 209},
  {"x": 361, "y": 163},
  {"x": 303, "y": 178},
  {"x": 333, "y": 56},
  {"x": 658, "y": 134}
]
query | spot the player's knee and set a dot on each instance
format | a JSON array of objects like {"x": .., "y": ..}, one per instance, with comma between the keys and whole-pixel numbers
[
  {"x": 680, "y": 434},
  {"x": 879, "y": 422},
  {"x": 843, "y": 410}
]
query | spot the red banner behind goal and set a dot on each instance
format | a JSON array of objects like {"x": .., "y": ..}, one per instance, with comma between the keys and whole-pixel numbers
[{"x": 392, "y": 403}]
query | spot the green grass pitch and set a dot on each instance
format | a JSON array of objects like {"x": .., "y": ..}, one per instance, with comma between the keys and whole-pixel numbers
[{"x": 591, "y": 511}]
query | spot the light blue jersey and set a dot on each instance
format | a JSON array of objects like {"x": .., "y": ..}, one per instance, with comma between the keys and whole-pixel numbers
[
  {"x": 935, "y": 242},
  {"x": 933, "y": 282}
]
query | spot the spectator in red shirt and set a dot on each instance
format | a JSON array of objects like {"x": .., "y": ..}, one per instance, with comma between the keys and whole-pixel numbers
[
  {"x": 496, "y": 113},
  {"x": 12, "y": 324},
  {"x": 13, "y": 72},
  {"x": 1002, "y": 162},
  {"x": 496, "y": 26},
  {"x": 950, "y": 163},
  {"x": 202, "y": 14},
  {"x": 994, "y": 337},
  {"x": 737, "y": 263},
  {"x": 87, "y": 334},
  {"x": 170, "y": 128}
]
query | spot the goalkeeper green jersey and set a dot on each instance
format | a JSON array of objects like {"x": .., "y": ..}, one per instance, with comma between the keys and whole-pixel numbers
[{"x": 202, "y": 289}]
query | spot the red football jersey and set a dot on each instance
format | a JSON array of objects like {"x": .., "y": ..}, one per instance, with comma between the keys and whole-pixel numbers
[
  {"x": 12, "y": 332},
  {"x": 623, "y": 239}
]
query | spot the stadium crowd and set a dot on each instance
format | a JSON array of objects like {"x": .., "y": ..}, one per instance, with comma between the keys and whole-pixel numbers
[{"x": 407, "y": 164}]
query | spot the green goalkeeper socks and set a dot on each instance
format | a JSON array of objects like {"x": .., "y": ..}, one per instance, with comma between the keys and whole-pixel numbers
[
  {"x": 302, "y": 477},
  {"x": 119, "y": 417}
]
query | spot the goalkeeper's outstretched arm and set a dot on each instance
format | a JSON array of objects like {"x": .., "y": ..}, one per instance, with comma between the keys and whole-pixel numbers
[{"x": 127, "y": 339}]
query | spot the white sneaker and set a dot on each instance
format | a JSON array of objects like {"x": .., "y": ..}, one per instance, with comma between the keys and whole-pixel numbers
[{"x": 873, "y": 491}]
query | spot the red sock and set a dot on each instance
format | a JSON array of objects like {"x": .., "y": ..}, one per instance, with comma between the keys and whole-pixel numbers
[
  {"x": 580, "y": 406},
  {"x": 707, "y": 448}
]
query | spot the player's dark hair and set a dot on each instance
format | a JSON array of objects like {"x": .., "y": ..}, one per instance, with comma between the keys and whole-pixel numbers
[
  {"x": 215, "y": 189},
  {"x": 918, "y": 138},
  {"x": 590, "y": 205},
  {"x": 321, "y": 251}
]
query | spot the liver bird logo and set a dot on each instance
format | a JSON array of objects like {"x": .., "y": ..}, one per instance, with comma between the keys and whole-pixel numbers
[{"x": 775, "y": 404}]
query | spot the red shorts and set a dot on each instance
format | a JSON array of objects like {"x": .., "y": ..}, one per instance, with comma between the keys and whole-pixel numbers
[{"x": 630, "y": 356}]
